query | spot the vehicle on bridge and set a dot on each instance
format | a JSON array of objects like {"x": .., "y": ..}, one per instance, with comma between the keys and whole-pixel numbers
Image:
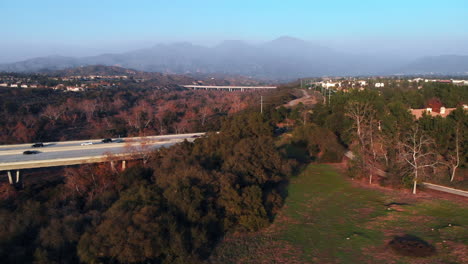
[
  {"x": 107, "y": 140},
  {"x": 86, "y": 143},
  {"x": 30, "y": 152},
  {"x": 38, "y": 145}
]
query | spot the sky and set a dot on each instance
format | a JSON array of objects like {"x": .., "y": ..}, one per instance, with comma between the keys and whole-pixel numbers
[{"x": 32, "y": 28}]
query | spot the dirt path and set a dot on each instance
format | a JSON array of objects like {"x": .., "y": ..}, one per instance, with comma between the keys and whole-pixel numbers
[{"x": 306, "y": 99}]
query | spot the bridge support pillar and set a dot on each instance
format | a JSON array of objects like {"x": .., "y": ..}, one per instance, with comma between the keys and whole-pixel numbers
[
  {"x": 18, "y": 178},
  {"x": 10, "y": 179},
  {"x": 124, "y": 164},
  {"x": 112, "y": 165}
]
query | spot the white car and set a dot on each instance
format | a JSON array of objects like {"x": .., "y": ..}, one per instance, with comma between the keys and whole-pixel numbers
[{"x": 86, "y": 143}]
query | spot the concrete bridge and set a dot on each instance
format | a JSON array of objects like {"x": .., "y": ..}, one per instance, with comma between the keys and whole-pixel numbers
[
  {"x": 65, "y": 153},
  {"x": 227, "y": 88}
]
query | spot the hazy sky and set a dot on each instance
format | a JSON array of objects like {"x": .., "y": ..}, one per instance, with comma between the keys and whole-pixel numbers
[{"x": 60, "y": 27}]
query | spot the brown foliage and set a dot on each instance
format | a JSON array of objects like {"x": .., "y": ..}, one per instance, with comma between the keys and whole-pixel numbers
[{"x": 90, "y": 180}]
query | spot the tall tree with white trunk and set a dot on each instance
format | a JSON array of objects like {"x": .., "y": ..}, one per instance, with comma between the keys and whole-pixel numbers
[{"x": 417, "y": 152}]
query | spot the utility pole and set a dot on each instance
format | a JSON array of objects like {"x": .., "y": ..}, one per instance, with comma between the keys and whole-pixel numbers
[
  {"x": 261, "y": 104},
  {"x": 329, "y": 96}
]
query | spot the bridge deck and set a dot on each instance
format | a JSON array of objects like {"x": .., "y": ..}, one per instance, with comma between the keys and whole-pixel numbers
[
  {"x": 227, "y": 87},
  {"x": 72, "y": 152}
]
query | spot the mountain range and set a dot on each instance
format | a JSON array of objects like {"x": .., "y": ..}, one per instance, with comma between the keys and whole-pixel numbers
[{"x": 280, "y": 59}]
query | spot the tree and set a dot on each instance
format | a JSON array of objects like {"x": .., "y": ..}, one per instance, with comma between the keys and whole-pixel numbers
[
  {"x": 366, "y": 127},
  {"x": 454, "y": 157},
  {"x": 417, "y": 152},
  {"x": 458, "y": 150}
]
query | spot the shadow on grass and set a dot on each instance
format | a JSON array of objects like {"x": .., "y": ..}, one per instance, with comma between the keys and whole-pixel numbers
[{"x": 411, "y": 246}]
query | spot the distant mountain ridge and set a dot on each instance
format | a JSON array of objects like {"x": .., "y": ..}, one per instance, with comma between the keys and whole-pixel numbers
[
  {"x": 282, "y": 58},
  {"x": 95, "y": 70},
  {"x": 444, "y": 64}
]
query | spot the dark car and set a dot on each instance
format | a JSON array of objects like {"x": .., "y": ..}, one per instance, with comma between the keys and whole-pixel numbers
[
  {"x": 107, "y": 140},
  {"x": 30, "y": 152},
  {"x": 38, "y": 145}
]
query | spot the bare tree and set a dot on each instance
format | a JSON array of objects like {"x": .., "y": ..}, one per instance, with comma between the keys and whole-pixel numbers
[
  {"x": 204, "y": 113},
  {"x": 89, "y": 107},
  {"x": 417, "y": 152},
  {"x": 54, "y": 113},
  {"x": 454, "y": 157},
  {"x": 366, "y": 129},
  {"x": 359, "y": 112}
]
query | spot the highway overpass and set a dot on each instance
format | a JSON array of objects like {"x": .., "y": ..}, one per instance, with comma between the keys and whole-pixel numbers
[
  {"x": 227, "y": 88},
  {"x": 65, "y": 153}
]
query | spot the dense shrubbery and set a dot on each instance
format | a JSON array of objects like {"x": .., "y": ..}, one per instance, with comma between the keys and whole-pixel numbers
[
  {"x": 173, "y": 211},
  {"x": 318, "y": 143}
]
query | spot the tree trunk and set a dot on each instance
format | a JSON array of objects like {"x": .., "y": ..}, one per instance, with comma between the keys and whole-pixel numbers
[
  {"x": 457, "y": 153},
  {"x": 414, "y": 187},
  {"x": 454, "y": 170},
  {"x": 370, "y": 178}
]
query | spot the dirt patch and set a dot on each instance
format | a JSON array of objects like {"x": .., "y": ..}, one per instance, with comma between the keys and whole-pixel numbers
[
  {"x": 459, "y": 250},
  {"x": 411, "y": 246}
]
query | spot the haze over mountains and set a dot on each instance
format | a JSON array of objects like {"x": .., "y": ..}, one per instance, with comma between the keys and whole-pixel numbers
[{"x": 283, "y": 58}]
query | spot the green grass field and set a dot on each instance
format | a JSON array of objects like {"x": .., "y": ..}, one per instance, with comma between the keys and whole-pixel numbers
[{"x": 327, "y": 220}]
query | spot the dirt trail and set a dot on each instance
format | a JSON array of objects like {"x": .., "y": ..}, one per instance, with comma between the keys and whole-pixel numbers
[{"x": 306, "y": 99}]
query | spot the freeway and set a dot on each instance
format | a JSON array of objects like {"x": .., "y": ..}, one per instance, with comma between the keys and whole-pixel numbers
[
  {"x": 229, "y": 88},
  {"x": 53, "y": 153}
]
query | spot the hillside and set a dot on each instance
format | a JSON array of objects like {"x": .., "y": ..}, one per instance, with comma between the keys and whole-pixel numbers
[
  {"x": 156, "y": 78},
  {"x": 95, "y": 70}
]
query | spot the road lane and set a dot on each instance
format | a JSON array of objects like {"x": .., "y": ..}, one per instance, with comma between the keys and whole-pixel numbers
[
  {"x": 59, "y": 144},
  {"x": 64, "y": 150}
]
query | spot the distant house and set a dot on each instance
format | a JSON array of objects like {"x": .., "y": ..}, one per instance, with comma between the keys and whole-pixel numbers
[
  {"x": 416, "y": 80},
  {"x": 444, "y": 81},
  {"x": 362, "y": 83},
  {"x": 59, "y": 87},
  {"x": 443, "y": 112},
  {"x": 460, "y": 82},
  {"x": 74, "y": 89},
  {"x": 331, "y": 84},
  {"x": 379, "y": 85}
]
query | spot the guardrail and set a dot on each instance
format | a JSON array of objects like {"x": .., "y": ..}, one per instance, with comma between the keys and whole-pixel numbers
[{"x": 445, "y": 189}]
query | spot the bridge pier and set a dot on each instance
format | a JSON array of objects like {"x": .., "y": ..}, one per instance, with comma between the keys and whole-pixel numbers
[
  {"x": 16, "y": 180},
  {"x": 112, "y": 165},
  {"x": 10, "y": 179}
]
